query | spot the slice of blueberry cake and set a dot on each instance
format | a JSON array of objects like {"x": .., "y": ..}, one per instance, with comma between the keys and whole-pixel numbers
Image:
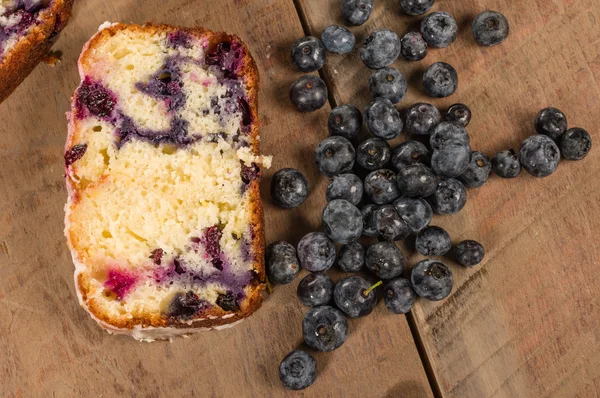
[
  {"x": 164, "y": 216},
  {"x": 27, "y": 29}
]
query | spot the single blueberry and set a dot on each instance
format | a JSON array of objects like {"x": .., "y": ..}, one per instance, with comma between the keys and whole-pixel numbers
[
  {"x": 390, "y": 225},
  {"x": 351, "y": 257},
  {"x": 345, "y": 186},
  {"x": 385, "y": 260},
  {"x": 413, "y": 46},
  {"x": 281, "y": 263},
  {"x": 308, "y": 93},
  {"x": 539, "y": 155},
  {"x": 316, "y": 252},
  {"x": 388, "y": 83},
  {"x": 354, "y": 296},
  {"x": 506, "y": 164},
  {"x": 452, "y": 159},
  {"x": 289, "y": 188},
  {"x": 477, "y": 172},
  {"x": 356, "y": 12},
  {"x": 298, "y": 370},
  {"x": 342, "y": 221},
  {"x": 381, "y": 187},
  {"x": 324, "y": 328},
  {"x": 76, "y": 152},
  {"x": 383, "y": 119},
  {"x": 433, "y": 241},
  {"x": 308, "y": 54},
  {"x": 416, "y": 212},
  {"x": 431, "y": 280},
  {"x": 490, "y": 28},
  {"x": 184, "y": 305},
  {"x": 335, "y": 155},
  {"x": 380, "y": 49},
  {"x": 337, "y": 39},
  {"x": 373, "y": 153},
  {"x": 410, "y": 152},
  {"x": 440, "y": 80},
  {"x": 469, "y": 253},
  {"x": 369, "y": 222},
  {"x": 459, "y": 113},
  {"x": 416, "y": 180},
  {"x": 399, "y": 296},
  {"x": 422, "y": 118},
  {"x": 449, "y": 197},
  {"x": 416, "y": 7},
  {"x": 575, "y": 144},
  {"x": 345, "y": 120},
  {"x": 439, "y": 29},
  {"x": 551, "y": 122},
  {"x": 315, "y": 289},
  {"x": 448, "y": 131}
]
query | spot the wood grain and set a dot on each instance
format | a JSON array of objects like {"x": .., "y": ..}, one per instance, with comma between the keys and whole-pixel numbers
[
  {"x": 527, "y": 322},
  {"x": 50, "y": 347}
]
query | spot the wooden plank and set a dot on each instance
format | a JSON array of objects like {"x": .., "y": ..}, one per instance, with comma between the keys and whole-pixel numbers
[
  {"x": 49, "y": 345},
  {"x": 527, "y": 322}
]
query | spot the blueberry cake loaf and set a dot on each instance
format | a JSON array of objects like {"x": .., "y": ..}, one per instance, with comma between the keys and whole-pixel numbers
[
  {"x": 164, "y": 217},
  {"x": 27, "y": 28}
]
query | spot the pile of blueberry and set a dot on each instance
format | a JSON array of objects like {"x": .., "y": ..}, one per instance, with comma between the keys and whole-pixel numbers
[{"x": 391, "y": 194}]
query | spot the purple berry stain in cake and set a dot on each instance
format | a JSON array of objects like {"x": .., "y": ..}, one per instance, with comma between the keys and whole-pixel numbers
[
  {"x": 165, "y": 85},
  {"x": 120, "y": 282},
  {"x": 75, "y": 153},
  {"x": 185, "y": 305},
  {"x": 94, "y": 98},
  {"x": 228, "y": 301},
  {"x": 249, "y": 173},
  {"x": 212, "y": 247},
  {"x": 179, "y": 39},
  {"x": 227, "y": 57},
  {"x": 156, "y": 256}
]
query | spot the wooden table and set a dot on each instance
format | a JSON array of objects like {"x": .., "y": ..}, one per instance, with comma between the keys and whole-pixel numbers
[{"x": 524, "y": 324}]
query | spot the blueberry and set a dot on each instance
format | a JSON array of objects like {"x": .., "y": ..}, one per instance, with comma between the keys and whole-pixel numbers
[
  {"x": 315, "y": 289},
  {"x": 477, "y": 172},
  {"x": 94, "y": 97},
  {"x": 369, "y": 222},
  {"x": 452, "y": 159},
  {"x": 416, "y": 212},
  {"x": 381, "y": 187},
  {"x": 308, "y": 54},
  {"x": 184, "y": 305},
  {"x": 431, "y": 280},
  {"x": 308, "y": 93},
  {"x": 335, "y": 155},
  {"x": 351, "y": 257},
  {"x": 354, "y": 296},
  {"x": 345, "y": 121},
  {"x": 399, "y": 296},
  {"x": 390, "y": 225},
  {"x": 345, "y": 186},
  {"x": 551, "y": 122},
  {"x": 422, "y": 118},
  {"x": 416, "y": 180},
  {"x": 413, "y": 46},
  {"x": 373, "y": 153},
  {"x": 449, "y": 197},
  {"x": 439, "y": 29},
  {"x": 410, "y": 152},
  {"x": 416, "y": 7},
  {"x": 539, "y": 155},
  {"x": 383, "y": 119},
  {"x": 440, "y": 80},
  {"x": 337, "y": 39},
  {"x": 448, "y": 131},
  {"x": 76, "y": 152},
  {"x": 342, "y": 221},
  {"x": 282, "y": 263},
  {"x": 289, "y": 188},
  {"x": 324, "y": 328},
  {"x": 388, "y": 83},
  {"x": 433, "y": 241},
  {"x": 469, "y": 253},
  {"x": 575, "y": 144},
  {"x": 380, "y": 49},
  {"x": 385, "y": 260},
  {"x": 298, "y": 370},
  {"x": 459, "y": 113},
  {"x": 490, "y": 28},
  {"x": 506, "y": 164},
  {"x": 316, "y": 252},
  {"x": 356, "y": 12}
]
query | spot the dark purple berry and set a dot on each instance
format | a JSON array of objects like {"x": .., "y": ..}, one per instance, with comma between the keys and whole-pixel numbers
[
  {"x": 440, "y": 80},
  {"x": 354, "y": 296},
  {"x": 459, "y": 113},
  {"x": 228, "y": 302},
  {"x": 506, "y": 164},
  {"x": 551, "y": 122},
  {"x": 390, "y": 225},
  {"x": 315, "y": 289},
  {"x": 342, "y": 221},
  {"x": 298, "y": 370},
  {"x": 416, "y": 212},
  {"x": 422, "y": 118},
  {"x": 469, "y": 253},
  {"x": 414, "y": 47},
  {"x": 416, "y": 7},
  {"x": 490, "y": 28},
  {"x": 95, "y": 98},
  {"x": 385, "y": 260},
  {"x": 345, "y": 186},
  {"x": 184, "y": 305},
  {"x": 324, "y": 328},
  {"x": 446, "y": 132},
  {"x": 335, "y": 155},
  {"x": 388, "y": 83},
  {"x": 383, "y": 119},
  {"x": 373, "y": 153},
  {"x": 316, "y": 252},
  {"x": 345, "y": 121},
  {"x": 416, "y": 180},
  {"x": 439, "y": 29},
  {"x": 539, "y": 155},
  {"x": 399, "y": 296},
  {"x": 433, "y": 241},
  {"x": 74, "y": 154},
  {"x": 410, "y": 152},
  {"x": 451, "y": 159},
  {"x": 369, "y": 222},
  {"x": 477, "y": 172},
  {"x": 380, "y": 49},
  {"x": 289, "y": 188},
  {"x": 356, "y": 12},
  {"x": 575, "y": 144},
  {"x": 431, "y": 280},
  {"x": 380, "y": 186},
  {"x": 281, "y": 263},
  {"x": 308, "y": 93},
  {"x": 338, "y": 39},
  {"x": 351, "y": 257},
  {"x": 308, "y": 54},
  {"x": 449, "y": 197}
]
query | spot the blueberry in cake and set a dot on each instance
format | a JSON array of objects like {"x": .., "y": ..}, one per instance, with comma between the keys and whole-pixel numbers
[
  {"x": 27, "y": 28},
  {"x": 164, "y": 216}
]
